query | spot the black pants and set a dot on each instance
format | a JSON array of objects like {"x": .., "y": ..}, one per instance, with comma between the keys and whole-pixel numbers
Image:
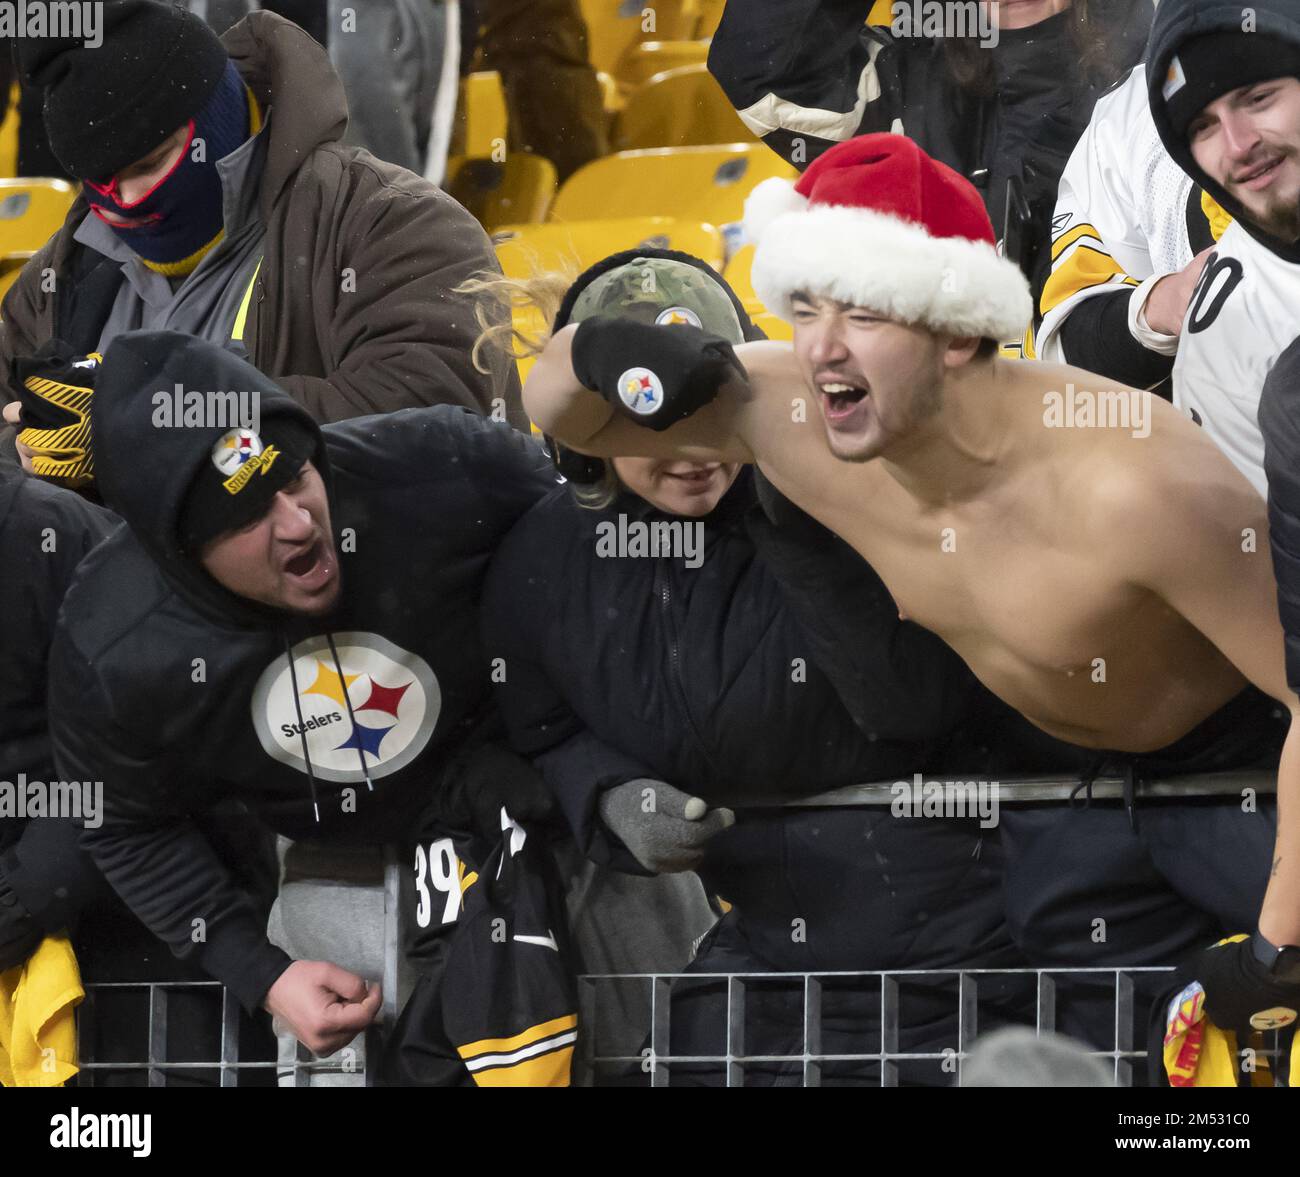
[
  {"x": 1097, "y": 886},
  {"x": 847, "y": 890}
]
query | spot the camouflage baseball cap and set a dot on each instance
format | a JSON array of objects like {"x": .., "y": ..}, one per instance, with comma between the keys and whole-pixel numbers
[{"x": 661, "y": 290}]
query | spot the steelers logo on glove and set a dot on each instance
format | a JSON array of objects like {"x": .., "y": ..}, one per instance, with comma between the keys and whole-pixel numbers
[
  {"x": 641, "y": 390},
  {"x": 655, "y": 377},
  {"x": 1240, "y": 994},
  {"x": 55, "y": 388}
]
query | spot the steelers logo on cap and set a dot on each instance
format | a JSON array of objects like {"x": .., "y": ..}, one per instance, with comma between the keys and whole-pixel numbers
[
  {"x": 678, "y": 315},
  {"x": 641, "y": 390},
  {"x": 234, "y": 449},
  {"x": 1273, "y": 1019}
]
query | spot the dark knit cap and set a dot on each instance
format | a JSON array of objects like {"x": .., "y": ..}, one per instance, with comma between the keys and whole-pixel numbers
[
  {"x": 1209, "y": 66},
  {"x": 246, "y": 472},
  {"x": 108, "y": 106}
]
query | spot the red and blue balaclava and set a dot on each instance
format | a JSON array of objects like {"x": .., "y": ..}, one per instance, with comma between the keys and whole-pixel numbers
[{"x": 181, "y": 217}]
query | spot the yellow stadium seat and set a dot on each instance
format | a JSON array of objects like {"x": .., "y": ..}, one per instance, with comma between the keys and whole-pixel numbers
[
  {"x": 9, "y": 135},
  {"x": 692, "y": 183},
  {"x": 483, "y": 107},
  {"x": 710, "y": 17},
  {"x": 613, "y": 26},
  {"x": 680, "y": 107},
  {"x": 737, "y": 276},
  {"x": 525, "y": 250},
  {"x": 31, "y": 212},
  {"x": 516, "y": 191},
  {"x": 611, "y": 97},
  {"x": 647, "y": 58}
]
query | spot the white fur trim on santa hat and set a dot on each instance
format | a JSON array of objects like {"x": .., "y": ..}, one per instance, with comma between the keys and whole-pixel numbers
[
  {"x": 768, "y": 200},
  {"x": 882, "y": 263}
]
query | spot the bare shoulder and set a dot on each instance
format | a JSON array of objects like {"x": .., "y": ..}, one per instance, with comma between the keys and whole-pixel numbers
[
  {"x": 1167, "y": 493},
  {"x": 780, "y": 411},
  {"x": 769, "y": 361}
]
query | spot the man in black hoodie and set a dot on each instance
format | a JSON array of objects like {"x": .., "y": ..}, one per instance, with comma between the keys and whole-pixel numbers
[
  {"x": 1225, "y": 96},
  {"x": 288, "y": 620}
]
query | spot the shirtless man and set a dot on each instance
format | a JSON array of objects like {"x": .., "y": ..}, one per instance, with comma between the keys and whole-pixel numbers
[{"x": 1111, "y": 583}]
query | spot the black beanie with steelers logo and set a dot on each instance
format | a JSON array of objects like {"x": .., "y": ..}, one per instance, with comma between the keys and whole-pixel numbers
[{"x": 248, "y": 468}]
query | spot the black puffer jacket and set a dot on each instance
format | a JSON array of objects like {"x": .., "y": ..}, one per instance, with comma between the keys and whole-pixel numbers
[
  {"x": 176, "y": 693},
  {"x": 45, "y": 531},
  {"x": 697, "y": 676},
  {"x": 614, "y": 669},
  {"x": 811, "y": 73}
]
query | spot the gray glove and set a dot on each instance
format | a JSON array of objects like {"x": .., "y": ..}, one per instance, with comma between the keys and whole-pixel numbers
[{"x": 663, "y": 828}]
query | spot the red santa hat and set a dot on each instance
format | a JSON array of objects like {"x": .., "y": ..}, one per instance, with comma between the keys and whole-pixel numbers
[{"x": 877, "y": 223}]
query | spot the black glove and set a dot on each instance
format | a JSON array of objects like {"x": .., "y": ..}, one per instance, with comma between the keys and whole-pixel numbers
[
  {"x": 19, "y": 934},
  {"x": 54, "y": 389},
  {"x": 657, "y": 375},
  {"x": 483, "y": 780},
  {"x": 1240, "y": 993}
]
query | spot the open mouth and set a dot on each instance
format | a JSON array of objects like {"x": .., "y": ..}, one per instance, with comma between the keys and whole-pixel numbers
[
  {"x": 840, "y": 402},
  {"x": 311, "y": 568}
]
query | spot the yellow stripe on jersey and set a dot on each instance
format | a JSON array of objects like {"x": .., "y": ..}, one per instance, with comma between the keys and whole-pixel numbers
[
  {"x": 466, "y": 880},
  {"x": 546, "y": 1070},
  {"x": 1068, "y": 238},
  {"x": 1215, "y": 213},
  {"x": 1019, "y": 349},
  {"x": 523, "y": 1038},
  {"x": 1085, "y": 267}
]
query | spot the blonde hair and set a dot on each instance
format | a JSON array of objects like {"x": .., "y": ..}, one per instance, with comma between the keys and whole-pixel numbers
[{"x": 497, "y": 298}]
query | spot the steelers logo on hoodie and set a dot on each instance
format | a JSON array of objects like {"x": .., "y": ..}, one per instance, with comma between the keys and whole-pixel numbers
[{"x": 370, "y": 712}]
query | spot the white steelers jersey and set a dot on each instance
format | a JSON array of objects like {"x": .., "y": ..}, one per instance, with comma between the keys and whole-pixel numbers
[
  {"x": 1244, "y": 312},
  {"x": 1124, "y": 211}
]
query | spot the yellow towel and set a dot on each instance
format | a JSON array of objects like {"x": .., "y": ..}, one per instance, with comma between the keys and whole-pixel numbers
[
  {"x": 1199, "y": 1054},
  {"x": 38, "y": 1040}
]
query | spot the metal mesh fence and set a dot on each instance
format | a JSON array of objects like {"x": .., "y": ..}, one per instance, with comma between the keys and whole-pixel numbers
[
  {"x": 848, "y": 1028},
  {"x": 885, "y": 1028},
  {"x": 868, "y": 1039}
]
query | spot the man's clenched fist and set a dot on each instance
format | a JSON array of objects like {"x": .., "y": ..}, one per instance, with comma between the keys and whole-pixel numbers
[{"x": 323, "y": 1005}]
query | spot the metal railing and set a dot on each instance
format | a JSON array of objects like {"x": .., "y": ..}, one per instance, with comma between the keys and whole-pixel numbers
[
  {"x": 158, "y": 1062},
  {"x": 1042, "y": 987},
  {"x": 655, "y": 1060}
]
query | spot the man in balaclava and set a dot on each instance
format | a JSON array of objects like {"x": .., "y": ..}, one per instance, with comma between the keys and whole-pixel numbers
[{"x": 219, "y": 200}]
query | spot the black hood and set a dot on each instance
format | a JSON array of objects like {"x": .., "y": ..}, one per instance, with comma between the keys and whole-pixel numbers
[
  {"x": 1178, "y": 21},
  {"x": 144, "y": 468}
]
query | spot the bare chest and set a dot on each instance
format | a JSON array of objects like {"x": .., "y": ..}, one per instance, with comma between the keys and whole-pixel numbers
[{"x": 1049, "y": 626}]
